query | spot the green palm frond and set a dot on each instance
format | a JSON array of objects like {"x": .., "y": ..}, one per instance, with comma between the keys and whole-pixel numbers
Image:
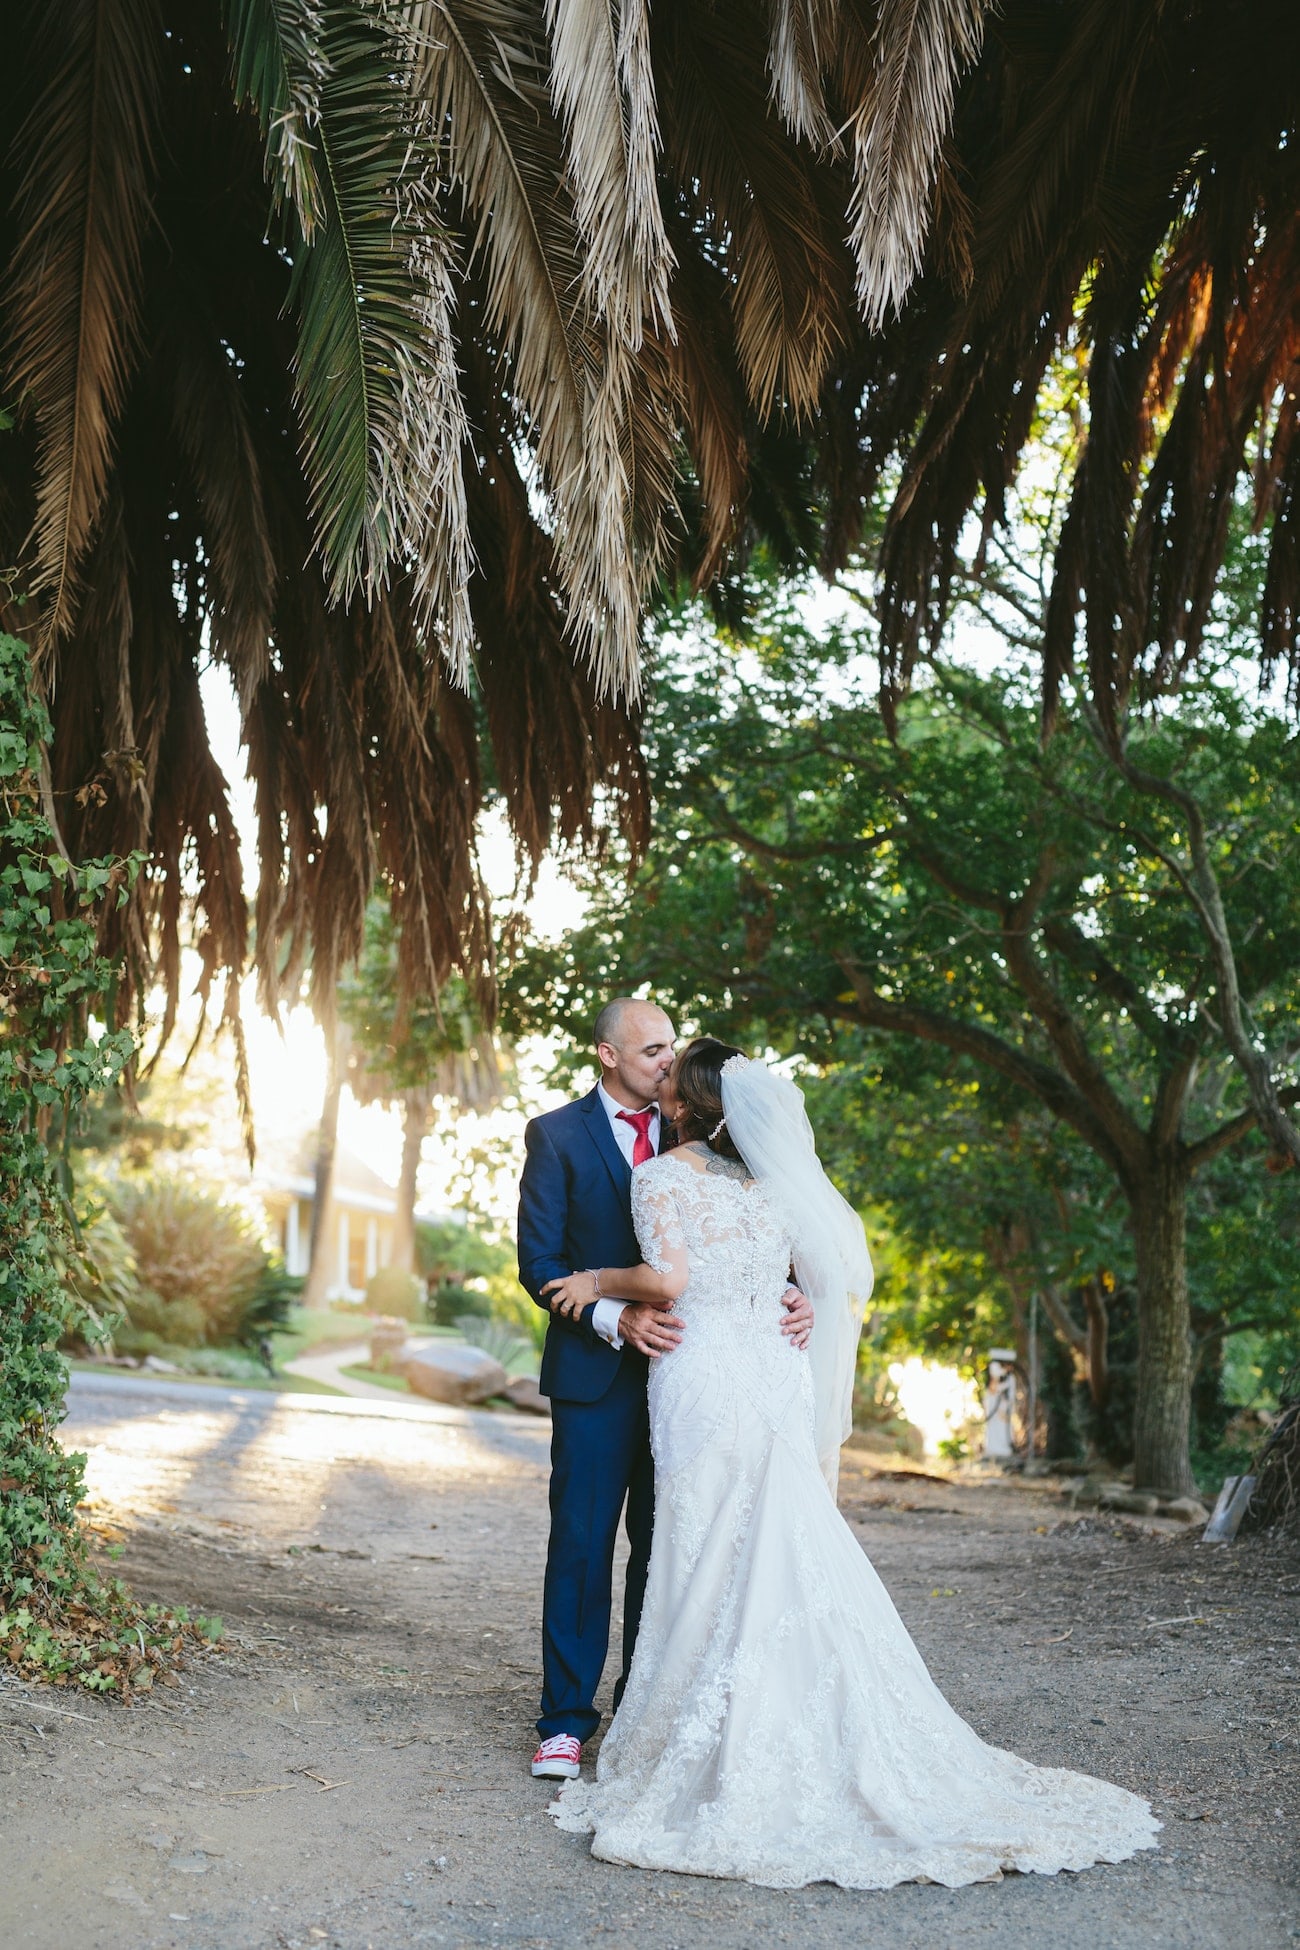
[
  {"x": 81, "y": 201},
  {"x": 280, "y": 66},
  {"x": 382, "y": 416}
]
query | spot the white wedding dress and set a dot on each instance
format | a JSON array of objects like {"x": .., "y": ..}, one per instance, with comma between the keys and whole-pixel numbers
[{"x": 779, "y": 1725}]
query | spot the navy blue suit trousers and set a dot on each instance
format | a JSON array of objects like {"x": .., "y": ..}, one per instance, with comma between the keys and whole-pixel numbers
[{"x": 575, "y": 1212}]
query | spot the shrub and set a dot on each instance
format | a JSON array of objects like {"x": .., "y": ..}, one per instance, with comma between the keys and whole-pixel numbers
[
  {"x": 204, "y": 1276},
  {"x": 516, "y": 1354},
  {"x": 390, "y": 1291},
  {"x": 448, "y": 1302}
]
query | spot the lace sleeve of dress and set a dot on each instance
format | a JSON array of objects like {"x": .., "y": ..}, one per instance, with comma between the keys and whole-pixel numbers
[{"x": 657, "y": 1217}]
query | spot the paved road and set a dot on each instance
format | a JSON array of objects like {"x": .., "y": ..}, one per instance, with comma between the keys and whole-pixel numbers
[{"x": 352, "y": 1772}]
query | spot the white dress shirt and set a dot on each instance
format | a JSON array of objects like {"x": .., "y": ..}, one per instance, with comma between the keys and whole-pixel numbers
[{"x": 608, "y": 1313}]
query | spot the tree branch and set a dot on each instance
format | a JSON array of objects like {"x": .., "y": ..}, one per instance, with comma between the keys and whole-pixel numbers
[
  {"x": 1202, "y": 889},
  {"x": 1210, "y": 1147},
  {"x": 1060, "y": 1096},
  {"x": 1067, "y": 1039},
  {"x": 1073, "y": 945}
]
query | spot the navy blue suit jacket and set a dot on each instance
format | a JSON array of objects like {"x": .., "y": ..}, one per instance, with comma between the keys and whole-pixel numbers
[{"x": 575, "y": 1211}]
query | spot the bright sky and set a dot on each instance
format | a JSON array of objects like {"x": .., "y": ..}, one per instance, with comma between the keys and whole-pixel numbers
[{"x": 288, "y": 1069}]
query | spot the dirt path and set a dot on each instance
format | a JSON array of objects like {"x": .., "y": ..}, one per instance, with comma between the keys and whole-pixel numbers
[
  {"x": 328, "y": 1367},
  {"x": 379, "y": 1568}
]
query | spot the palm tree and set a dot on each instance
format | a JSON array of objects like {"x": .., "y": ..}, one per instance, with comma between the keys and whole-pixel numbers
[
  {"x": 1119, "y": 221},
  {"x": 385, "y": 354},
  {"x": 1117, "y": 241}
]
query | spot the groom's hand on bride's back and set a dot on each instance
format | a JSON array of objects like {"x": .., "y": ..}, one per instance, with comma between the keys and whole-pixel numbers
[{"x": 650, "y": 1330}]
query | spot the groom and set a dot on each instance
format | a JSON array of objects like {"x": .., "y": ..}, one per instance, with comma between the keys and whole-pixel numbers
[{"x": 575, "y": 1213}]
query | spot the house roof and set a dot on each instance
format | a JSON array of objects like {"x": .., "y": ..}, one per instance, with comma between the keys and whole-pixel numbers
[{"x": 355, "y": 1182}]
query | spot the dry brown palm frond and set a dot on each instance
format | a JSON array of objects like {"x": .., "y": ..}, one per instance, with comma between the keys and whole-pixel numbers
[
  {"x": 898, "y": 131},
  {"x": 82, "y": 201},
  {"x": 483, "y": 66},
  {"x": 559, "y": 747},
  {"x": 804, "y": 38},
  {"x": 712, "y": 399},
  {"x": 603, "y": 87},
  {"x": 209, "y": 417},
  {"x": 1130, "y": 176},
  {"x": 772, "y": 215},
  {"x": 426, "y": 480}
]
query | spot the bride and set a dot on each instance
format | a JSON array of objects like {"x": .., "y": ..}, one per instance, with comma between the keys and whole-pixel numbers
[{"x": 779, "y": 1725}]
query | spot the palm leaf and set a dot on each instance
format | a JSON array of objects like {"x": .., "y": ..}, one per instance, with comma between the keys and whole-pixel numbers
[
  {"x": 603, "y": 87},
  {"x": 82, "y": 204},
  {"x": 383, "y": 422},
  {"x": 599, "y": 429},
  {"x": 277, "y": 49},
  {"x": 898, "y": 132},
  {"x": 803, "y": 46}
]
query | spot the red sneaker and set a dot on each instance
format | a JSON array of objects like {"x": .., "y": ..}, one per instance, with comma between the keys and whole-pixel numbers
[{"x": 559, "y": 1758}]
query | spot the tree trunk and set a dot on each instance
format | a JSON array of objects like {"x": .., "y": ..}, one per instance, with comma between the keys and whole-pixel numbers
[
  {"x": 1162, "y": 1417},
  {"x": 416, "y": 1105},
  {"x": 1098, "y": 1317},
  {"x": 319, "y": 1266}
]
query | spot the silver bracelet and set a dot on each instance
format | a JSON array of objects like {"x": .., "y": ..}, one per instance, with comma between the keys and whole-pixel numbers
[{"x": 595, "y": 1281}]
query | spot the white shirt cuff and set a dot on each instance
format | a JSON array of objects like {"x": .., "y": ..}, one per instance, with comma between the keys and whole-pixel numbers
[{"x": 605, "y": 1320}]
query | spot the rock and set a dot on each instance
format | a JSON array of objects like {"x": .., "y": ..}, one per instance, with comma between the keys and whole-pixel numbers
[
  {"x": 525, "y": 1394},
  {"x": 1133, "y": 1503},
  {"x": 1085, "y": 1497},
  {"x": 1229, "y": 1510},
  {"x": 1186, "y": 1509},
  {"x": 449, "y": 1372},
  {"x": 386, "y": 1344},
  {"x": 156, "y": 1365}
]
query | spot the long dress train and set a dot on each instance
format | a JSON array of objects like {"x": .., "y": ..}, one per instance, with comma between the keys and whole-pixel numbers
[{"x": 779, "y": 1725}]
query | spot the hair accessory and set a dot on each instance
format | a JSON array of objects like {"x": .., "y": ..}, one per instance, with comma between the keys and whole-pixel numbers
[
  {"x": 717, "y": 1127},
  {"x": 733, "y": 1063}
]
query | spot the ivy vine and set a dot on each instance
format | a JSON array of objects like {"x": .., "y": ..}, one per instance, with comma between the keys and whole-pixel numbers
[{"x": 59, "y": 1619}]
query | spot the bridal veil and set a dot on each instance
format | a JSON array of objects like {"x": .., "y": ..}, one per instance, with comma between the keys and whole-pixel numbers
[{"x": 769, "y": 1127}]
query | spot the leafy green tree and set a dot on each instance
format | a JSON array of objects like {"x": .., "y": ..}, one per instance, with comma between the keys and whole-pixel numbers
[
  {"x": 411, "y": 1048},
  {"x": 968, "y": 888}
]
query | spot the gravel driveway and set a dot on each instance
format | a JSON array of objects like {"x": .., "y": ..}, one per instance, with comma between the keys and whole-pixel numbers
[{"x": 352, "y": 1770}]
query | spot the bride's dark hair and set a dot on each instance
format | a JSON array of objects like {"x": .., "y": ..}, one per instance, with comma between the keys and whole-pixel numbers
[{"x": 699, "y": 1086}]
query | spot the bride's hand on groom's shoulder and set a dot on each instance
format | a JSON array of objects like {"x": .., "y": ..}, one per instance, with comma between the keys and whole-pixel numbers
[{"x": 798, "y": 1323}]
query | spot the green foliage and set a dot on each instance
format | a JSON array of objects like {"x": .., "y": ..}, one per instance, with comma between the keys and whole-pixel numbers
[
  {"x": 390, "y": 1291},
  {"x": 403, "y": 1041},
  {"x": 822, "y": 889},
  {"x": 516, "y": 1352},
  {"x": 446, "y": 1251},
  {"x": 470, "y": 1271},
  {"x": 57, "y": 1618},
  {"x": 203, "y": 1276}
]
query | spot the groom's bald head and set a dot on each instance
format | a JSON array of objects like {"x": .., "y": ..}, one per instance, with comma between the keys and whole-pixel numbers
[{"x": 634, "y": 1042}]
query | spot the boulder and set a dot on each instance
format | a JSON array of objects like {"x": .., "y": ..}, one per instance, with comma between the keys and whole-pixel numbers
[
  {"x": 448, "y": 1371},
  {"x": 1186, "y": 1509},
  {"x": 525, "y": 1394},
  {"x": 1133, "y": 1503}
]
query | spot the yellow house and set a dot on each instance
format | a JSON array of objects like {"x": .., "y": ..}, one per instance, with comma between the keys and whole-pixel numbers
[{"x": 364, "y": 1209}]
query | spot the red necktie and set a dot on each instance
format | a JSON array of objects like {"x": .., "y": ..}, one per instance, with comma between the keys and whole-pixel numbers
[{"x": 640, "y": 1122}]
